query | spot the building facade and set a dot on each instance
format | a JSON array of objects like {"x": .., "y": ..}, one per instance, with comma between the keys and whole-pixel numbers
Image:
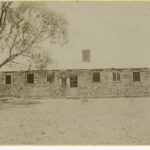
[
  {"x": 76, "y": 83},
  {"x": 81, "y": 80}
]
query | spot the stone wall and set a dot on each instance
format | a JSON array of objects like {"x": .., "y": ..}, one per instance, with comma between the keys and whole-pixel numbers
[
  {"x": 108, "y": 88},
  {"x": 86, "y": 87}
]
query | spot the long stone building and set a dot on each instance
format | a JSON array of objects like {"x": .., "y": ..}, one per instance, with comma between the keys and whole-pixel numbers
[{"x": 75, "y": 81}]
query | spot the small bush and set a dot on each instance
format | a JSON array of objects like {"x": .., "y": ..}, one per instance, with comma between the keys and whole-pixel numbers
[
  {"x": 84, "y": 100},
  {"x": 25, "y": 102}
]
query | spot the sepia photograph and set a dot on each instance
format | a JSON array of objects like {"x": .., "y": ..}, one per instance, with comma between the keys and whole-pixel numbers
[{"x": 74, "y": 73}]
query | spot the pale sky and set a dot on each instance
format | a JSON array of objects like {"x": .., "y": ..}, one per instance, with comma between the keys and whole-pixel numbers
[{"x": 116, "y": 32}]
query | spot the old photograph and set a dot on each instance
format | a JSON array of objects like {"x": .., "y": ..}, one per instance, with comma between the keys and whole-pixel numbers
[{"x": 74, "y": 73}]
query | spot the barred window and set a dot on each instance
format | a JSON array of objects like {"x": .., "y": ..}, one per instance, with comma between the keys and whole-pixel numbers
[
  {"x": 30, "y": 78},
  {"x": 136, "y": 76},
  {"x": 116, "y": 76},
  {"x": 96, "y": 76},
  {"x": 8, "y": 79},
  {"x": 73, "y": 81},
  {"x": 63, "y": 81},
  {"x": 50, "y": 77}
]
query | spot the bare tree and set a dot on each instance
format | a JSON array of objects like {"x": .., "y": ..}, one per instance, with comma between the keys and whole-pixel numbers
[
  {"x": 24, "y": 26},
  {"x": 3, "y": 13}
]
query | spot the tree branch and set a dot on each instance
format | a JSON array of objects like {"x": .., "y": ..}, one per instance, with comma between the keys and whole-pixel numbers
[
  {"x": 17, "y": 63},
  {"x": 8, "y": 59},
  {"x": 13, "y": 44}
]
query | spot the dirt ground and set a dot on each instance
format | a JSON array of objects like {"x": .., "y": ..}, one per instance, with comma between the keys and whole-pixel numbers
[{"x": 105, "y": 121}]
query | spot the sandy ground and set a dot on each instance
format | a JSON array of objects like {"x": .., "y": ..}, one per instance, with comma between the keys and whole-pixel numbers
[{"x": 110, "y": 121}]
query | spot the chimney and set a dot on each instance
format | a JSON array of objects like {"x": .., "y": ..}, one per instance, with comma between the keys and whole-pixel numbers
[{"x": 86, "y": 55}]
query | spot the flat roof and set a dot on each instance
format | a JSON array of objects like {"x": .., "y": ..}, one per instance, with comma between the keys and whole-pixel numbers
[{"x": 69, "y": 66}]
